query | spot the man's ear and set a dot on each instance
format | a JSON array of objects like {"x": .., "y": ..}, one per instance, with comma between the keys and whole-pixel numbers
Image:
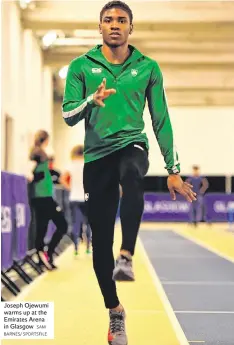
[
  {"x": 100, "y": 29},
  {"x": 131, "y": 29}
]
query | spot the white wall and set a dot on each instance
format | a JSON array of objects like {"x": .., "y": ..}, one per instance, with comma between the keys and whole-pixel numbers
[
  {"x": 26, "y": 87},
  {"x": 65, "y": 138},
  {"x": 203, "y": 136}
]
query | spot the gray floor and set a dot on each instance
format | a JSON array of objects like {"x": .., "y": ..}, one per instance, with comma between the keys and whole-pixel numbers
[{"x": 198, "y": 284}]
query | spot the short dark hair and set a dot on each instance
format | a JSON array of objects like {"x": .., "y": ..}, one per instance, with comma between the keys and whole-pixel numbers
[
  {"x": 196, "y": 167},
  {"x": 40, "y": 137},
  {"x": 77, "y": 151},
  {"x": 51, "y": 159},
  {"x": 118, "y": 4}
]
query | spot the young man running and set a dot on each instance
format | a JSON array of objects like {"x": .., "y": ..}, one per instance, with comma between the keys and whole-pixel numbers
[{"x": 108, "y": 87}]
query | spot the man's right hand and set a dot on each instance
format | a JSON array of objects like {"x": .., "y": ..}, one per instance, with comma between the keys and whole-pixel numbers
[
  {"x": 102, "y": 93},
  {"x": 176, "y": 184}
]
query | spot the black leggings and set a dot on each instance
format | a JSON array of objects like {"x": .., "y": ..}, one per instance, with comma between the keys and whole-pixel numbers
[
  {"x": 102, "y": 177},
  {"x": 47, "y": 209}
]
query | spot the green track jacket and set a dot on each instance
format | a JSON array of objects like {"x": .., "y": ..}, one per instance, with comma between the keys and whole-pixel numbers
[{"x": 120, "y": 122}]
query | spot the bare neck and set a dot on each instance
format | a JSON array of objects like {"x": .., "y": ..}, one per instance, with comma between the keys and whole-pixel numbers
[
  {"x": 116, "y": 55},
  {"x": 43, "y": 147}
]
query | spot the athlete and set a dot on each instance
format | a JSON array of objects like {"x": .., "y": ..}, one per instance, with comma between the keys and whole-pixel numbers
[
  {"x": 108, "y": 87},
  {"x": 45, "y": 207}
]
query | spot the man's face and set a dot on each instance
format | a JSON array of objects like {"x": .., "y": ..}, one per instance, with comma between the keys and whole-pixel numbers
[
  {"x": 115, "y": 27},
  {"x": 196, "y": 172}
]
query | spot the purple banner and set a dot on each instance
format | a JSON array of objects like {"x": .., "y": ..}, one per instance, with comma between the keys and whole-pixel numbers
[
  {"x": 161, "y": 208},
  {"x": 21, "y": 216},
  {"x": 217, "y": 206},
  {"x": 7, "y": 221}
]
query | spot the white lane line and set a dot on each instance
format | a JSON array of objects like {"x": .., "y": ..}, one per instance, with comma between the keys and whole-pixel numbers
[
  {"x": 168, "y": 308},
  {"x": 203, "y": 312},
  {"x": 204, "y": 245},
  {"x": 208, "y": 283}
]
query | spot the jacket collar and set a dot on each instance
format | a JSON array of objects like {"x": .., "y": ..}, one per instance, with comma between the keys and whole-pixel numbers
[{"x": 96, "y": 54}]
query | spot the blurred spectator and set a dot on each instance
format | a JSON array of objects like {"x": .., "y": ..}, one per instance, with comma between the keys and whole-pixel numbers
[
  {"x": 45, "y": 207},
  {"x": 72, "y": 179},
  {"x": 200, "y": 185},
  {"x": 55, "y": 174}
]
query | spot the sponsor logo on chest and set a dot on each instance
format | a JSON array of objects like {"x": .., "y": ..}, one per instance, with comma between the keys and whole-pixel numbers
[{"x": 96, "y": 70}]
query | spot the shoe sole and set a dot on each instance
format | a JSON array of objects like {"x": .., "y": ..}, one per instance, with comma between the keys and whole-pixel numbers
[
  {"x": 42, "y": 266},
  {"x": 45, "y": 262},
  {"x": 122, "y": 276},
  {"x": 111, "y": 343}
]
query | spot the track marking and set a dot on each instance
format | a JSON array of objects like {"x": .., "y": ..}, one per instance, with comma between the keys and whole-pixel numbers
[
  {"x": 215, "y": 283},
  {"x": 202, "y": 312},
  {"x": 167, "y": 306},
  {"x": 204, "y": 245}
]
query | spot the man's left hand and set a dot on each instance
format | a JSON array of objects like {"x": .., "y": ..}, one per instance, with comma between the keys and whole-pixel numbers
[{"x": 176, "y": 184}]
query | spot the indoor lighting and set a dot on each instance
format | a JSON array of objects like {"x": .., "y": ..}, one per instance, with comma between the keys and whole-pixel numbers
[
  {"x": 49, "y": 38},
  {"x": 63, "y": 72},
  {"x": 24, "y": 3}
]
